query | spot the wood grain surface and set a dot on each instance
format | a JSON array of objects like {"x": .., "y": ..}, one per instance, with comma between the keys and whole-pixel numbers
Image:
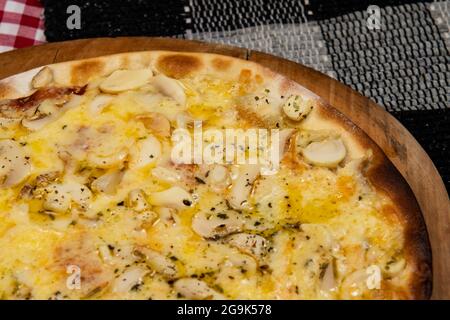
[{"x": 397, "y": 143}]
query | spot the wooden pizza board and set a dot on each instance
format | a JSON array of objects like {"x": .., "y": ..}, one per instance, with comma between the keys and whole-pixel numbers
[{"x": 398, "y": 144}]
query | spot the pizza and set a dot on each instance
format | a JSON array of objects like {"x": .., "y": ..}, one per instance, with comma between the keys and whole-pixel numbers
[{"x": 95, "y": 203}]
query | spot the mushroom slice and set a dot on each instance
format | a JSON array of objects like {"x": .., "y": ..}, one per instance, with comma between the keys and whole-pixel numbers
[
  {"x": 123, "y": 80},
  {"x": 196, "y": 290},
  {"x": 242, "y": 186},
  {"x": 133, "y": 276},
  {"x": 7, "y": 123},
  {"x": 108, "y": 182},
  {"x": 218, "y": 178},
  {"x": 328, "y": 279},
  {"x": 297, "y": 108},
  {"x": 147, "y": 218},
  {"x": 354, "y": 285},
  {"x": 166, "y": 174},
  {"x": 327, "y": 153},
  {"x": 158, "y": 262},
  {"x": 50, "y": 110},
  {"x": 216, "y": 226},
  {"x": 37, "y": 124},
  {"x": 47, "y": 112},
  {"x": 14, "y": 164},
  {"x": 43, "y": 78},
  {"x": 155, "y": 122},
  {"x": 394, "y": 267},
  {"x": 99, "y": 102},
  {"x": 136, "y": 200},
  {"x": 59, "y": 197},
  {"x": 251, "y": 244},
  {"x": 148, "y": 151},
  {"x": 174, "y": 197},
  {"x": 107, "y": 161},
  {"x": 170, "y": 87}
]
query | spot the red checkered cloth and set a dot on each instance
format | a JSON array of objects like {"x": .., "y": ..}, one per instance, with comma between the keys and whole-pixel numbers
[{"x": 21, "y": 24}]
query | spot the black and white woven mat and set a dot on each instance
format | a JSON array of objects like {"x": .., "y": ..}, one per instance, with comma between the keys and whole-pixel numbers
[{"x": 404, "y": 65}]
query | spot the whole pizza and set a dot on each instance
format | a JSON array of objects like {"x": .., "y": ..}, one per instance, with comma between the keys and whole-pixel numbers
[{"x": 168, "y": 175}]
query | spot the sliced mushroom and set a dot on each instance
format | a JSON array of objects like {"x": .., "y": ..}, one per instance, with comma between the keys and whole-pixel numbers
[
  {"x": 158, "y": 262},
  {"x": 354, "y": 285},
  {"x": 297, "y": 108},
  {"x": 107, "y": 161},
  {"x": 166, "y": 174},
  {"x": 195, "y": 289},
  {"x": 216, "y": 226},
  {"x": 99, "y": 102},
  {"x": 59, "y": 197},
  {"x": 14, "y": 164},
  {"x": 108, "y": 182},
  {"x": 79, "y": 249},
  {"x": 148, "y": 151},
  {"x": 218, "y": 178},
  {"x": 136, "y": 200},
  {"x": 50, "y": 110},
  {"x": 105, "y": 253},
  {"x": 35, "y": 187},
  {"x": 174, "y": 197},
  {"x": 147, "y": 218},
  {"x": 167, "y": 216},
  {"x": 327, "y": 153},
  {"x": 133, "y": 276},
  {"x": 251, "y": 244},
  {"x": 73, "y": 102},
  {"x": 47, "y": 112},
  {"x": 328, "y": 279},
  {"x": 7, "y": 123},
  {"x": 37, "y": 124},
  {"x": 155, "y": 122},
  {"x": 43, "y": 78},
  {"x": 242, "y": 186},
  {"x": 170, "y": 87},
  {"x": 394, "y": 267},
  {"x": 123, "y": 80}
]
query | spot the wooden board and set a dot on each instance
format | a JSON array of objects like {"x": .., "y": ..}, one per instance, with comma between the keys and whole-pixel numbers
[{"x": 398, "y": 144}]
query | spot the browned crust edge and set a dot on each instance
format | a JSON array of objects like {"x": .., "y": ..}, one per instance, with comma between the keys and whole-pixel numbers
[{"x": 385, "y": 177}]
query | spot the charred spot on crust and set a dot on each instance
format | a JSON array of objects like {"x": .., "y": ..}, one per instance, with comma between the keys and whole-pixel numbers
[
  {"x": 124, "y": 62},
  {"x": 82, "y": 72},
  {"x": 221, "y": 64},
  {"x": 178, "y": 65},
  {"x": 245, "y": 76}
]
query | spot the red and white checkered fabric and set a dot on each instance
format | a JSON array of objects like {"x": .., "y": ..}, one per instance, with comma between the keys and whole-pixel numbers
[{"x": 21, "y": 24}]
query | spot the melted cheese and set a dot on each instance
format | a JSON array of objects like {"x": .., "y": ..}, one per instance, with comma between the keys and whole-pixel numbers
[{"x": 311, "y": 217}]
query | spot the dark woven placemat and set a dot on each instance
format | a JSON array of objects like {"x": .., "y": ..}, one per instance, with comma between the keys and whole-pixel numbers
[{"x": 404, "y": 66}]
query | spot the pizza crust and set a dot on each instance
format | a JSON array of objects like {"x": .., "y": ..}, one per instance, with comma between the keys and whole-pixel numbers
[{"x": 381, "y": 173}]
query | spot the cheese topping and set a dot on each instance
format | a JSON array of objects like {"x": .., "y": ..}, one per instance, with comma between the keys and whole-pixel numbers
[{"x": 93, "y": 207}]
